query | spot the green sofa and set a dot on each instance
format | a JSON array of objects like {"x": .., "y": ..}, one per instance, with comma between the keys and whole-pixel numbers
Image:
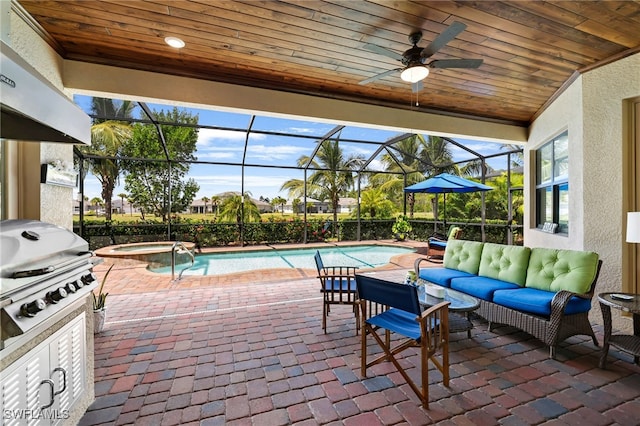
[{"x": 545, "y": 292}]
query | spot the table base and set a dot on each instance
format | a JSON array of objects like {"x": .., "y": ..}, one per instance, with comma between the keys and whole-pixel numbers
[{"x": 459, "y": 323}]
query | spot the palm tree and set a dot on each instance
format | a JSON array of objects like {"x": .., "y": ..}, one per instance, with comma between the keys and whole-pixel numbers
[
  {"x": 107, "y": 137},
  {"x": 232, "y": 209},
  {"x": 96, "y": 202},
  {"x": 375, "y": 203},
  {"x": 417, "y": 157},
  {"x": 332, "y": 178},
  {"x": 295, "y": 205},
  {"x": 122, "y": 196},
  {"x": 205, "y": 200},
  {"x": 436, "y": 157},
  {"x": 215, "y": 202},
  {"x": 279, "y": 201}
]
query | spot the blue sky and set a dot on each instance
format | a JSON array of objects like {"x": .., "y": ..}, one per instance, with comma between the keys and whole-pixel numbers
[{"x": 217, "y": 145}]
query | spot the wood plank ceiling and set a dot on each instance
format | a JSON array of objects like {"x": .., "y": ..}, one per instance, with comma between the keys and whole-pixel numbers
[{"x": 530, "y": 49}]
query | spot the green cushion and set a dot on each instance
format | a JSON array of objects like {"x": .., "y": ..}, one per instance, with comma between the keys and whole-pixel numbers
[
  {"x": 555, "y": 270},
  {"x": 452, "y": 232},
  {"x": 463, "y": 255},
  {"x": 505, "y": 263}
]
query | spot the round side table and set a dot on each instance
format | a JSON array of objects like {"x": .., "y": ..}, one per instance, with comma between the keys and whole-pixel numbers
[{"x": 626, "y": 302}]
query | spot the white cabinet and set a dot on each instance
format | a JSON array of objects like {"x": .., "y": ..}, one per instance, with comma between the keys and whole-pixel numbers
[{"x": 42, "y": 386}]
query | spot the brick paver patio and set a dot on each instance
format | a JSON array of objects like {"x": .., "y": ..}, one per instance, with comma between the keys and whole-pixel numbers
[{"x": 250, "y": 351}]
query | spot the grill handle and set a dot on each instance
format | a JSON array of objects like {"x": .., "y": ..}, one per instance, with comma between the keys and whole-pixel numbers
[{"x": 33, "y": 272}]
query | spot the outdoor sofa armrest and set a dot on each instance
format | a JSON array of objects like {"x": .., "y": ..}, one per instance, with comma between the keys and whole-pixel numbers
[
  {"x": 416, "y": 265},
  {"x": 560, "y": 301}
]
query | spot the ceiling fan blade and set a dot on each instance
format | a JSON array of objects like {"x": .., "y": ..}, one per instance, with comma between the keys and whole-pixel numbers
[
  {"x": 379, "y": 76},
  {"x": 443, "y": 38},
  {"x": 417, "y": 86},
  {"x": 456, "y": 63},
  {"x": 384, "y": 52}
]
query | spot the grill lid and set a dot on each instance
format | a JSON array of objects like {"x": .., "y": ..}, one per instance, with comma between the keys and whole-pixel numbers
[{"x": 30, "y": 248}]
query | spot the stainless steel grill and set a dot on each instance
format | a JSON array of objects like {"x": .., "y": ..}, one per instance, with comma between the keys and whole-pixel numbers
[{"x": 43, "y": 269}]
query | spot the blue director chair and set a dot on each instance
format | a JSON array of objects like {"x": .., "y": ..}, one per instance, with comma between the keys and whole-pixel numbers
[
  {"x": 338, "y": 287},
  {"x": 394, "y": 307}
]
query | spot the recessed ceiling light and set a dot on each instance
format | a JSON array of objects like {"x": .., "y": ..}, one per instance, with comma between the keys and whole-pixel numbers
[{"x": 174, "y": 42}]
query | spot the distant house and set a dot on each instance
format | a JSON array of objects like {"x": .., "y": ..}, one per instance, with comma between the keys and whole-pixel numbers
[
  {"x": 198, "y": 206},
  {"x": 117, "y": 207},
  {"x": 313, "y": 206},
  {"x": 347, "y": 205}
]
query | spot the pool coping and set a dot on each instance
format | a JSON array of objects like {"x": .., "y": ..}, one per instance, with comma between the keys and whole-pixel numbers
[{"x": 132, "y": 276}]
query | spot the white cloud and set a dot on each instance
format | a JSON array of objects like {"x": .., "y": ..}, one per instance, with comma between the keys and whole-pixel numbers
[
  {"x": 209, "y": 137},
  {"x": 216, "y": 155},
  {"x": 375, "y": 165},
  {"x": 276, "y": 152},
  {"x": 304, "y": 130}
]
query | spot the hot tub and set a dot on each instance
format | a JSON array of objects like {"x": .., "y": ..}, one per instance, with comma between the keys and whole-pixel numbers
[{"x": 153, "y": 253}]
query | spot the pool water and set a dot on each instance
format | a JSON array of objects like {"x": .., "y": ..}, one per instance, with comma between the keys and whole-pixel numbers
[{"x": 363, "y": 256}]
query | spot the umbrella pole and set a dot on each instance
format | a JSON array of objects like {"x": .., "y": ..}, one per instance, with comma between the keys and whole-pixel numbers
[{"x": 444, "y": 212}]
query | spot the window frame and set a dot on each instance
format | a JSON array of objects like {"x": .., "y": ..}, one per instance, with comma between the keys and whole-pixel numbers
[{"x": 556, "y": 153}]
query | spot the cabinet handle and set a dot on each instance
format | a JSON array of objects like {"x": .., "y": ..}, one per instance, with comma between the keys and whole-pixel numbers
[
  {"x": 64, "y": 380},
  {"x": 50, "y": 383}
]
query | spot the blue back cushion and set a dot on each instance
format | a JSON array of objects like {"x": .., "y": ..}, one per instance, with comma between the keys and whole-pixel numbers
[
  {"x": 319, "y": 263},
  {"x": 400, "y": 296}
]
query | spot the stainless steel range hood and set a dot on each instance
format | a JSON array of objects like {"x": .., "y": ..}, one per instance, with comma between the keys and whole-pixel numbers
[{"x": 33, "y": 109}]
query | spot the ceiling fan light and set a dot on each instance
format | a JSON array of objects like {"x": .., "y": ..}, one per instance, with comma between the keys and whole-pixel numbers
[
  {"x": 174, "y": 42},
  {"x": 415, "y": 73}
]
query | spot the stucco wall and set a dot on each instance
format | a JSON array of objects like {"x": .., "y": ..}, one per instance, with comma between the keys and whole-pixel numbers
[
  {"x": 564, "y": 114},
  {"x": 591, "y": 109},
  {"x": 604, "y": 93},
  {"x": 40, "y": 201}
]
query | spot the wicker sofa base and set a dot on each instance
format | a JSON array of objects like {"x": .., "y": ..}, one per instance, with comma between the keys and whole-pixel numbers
[{"x": 549, "y": 332}]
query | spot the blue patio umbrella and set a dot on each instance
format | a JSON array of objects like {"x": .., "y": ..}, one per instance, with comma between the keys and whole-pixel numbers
[{"x": 445, "y": 183}]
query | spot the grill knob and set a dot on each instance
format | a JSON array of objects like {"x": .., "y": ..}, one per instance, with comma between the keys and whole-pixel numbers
[
  {"x": 31, "y": 309},
  {"x": 57, "y": 295},
  {"x": 70, "y": 288},
  {"x": 78, "y": 284},
  {"x": 89, "y": 278}
]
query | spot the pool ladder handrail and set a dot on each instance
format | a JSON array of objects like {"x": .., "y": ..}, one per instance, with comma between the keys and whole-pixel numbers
[{"x": 180, "y": 245}]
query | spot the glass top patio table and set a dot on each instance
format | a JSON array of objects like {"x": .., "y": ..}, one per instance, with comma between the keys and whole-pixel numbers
[{"x": 460, "y": 302}]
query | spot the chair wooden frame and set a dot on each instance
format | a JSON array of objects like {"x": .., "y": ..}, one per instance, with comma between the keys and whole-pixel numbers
[
  {"x": 427, "y": 330},
  {"x": 338, "y": 287}
]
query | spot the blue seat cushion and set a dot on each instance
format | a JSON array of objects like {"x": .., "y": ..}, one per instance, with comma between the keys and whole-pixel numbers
[
  {"x": 537, "y": 302},
  {"x": 334, "y": 284},
  {"x": 440, "y": 244},
  {"x": 442, "y": 276},
  {"x": 481, "y": 287},
  {"x": 398, "y": 321}
]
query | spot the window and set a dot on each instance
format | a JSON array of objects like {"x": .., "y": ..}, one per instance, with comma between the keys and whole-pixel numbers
[{"x": 552, "y": 183}]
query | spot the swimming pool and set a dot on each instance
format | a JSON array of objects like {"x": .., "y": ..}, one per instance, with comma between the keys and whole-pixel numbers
[{"x": 362, "y": 256}]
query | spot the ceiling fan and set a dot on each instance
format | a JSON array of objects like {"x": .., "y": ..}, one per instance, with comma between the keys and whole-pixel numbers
[{"x": 415, "y": 59}]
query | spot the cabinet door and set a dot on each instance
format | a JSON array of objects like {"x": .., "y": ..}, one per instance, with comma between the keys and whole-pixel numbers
[
  {"x": 67, "y": 365},
  {"x": 25, "y": 390}
]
